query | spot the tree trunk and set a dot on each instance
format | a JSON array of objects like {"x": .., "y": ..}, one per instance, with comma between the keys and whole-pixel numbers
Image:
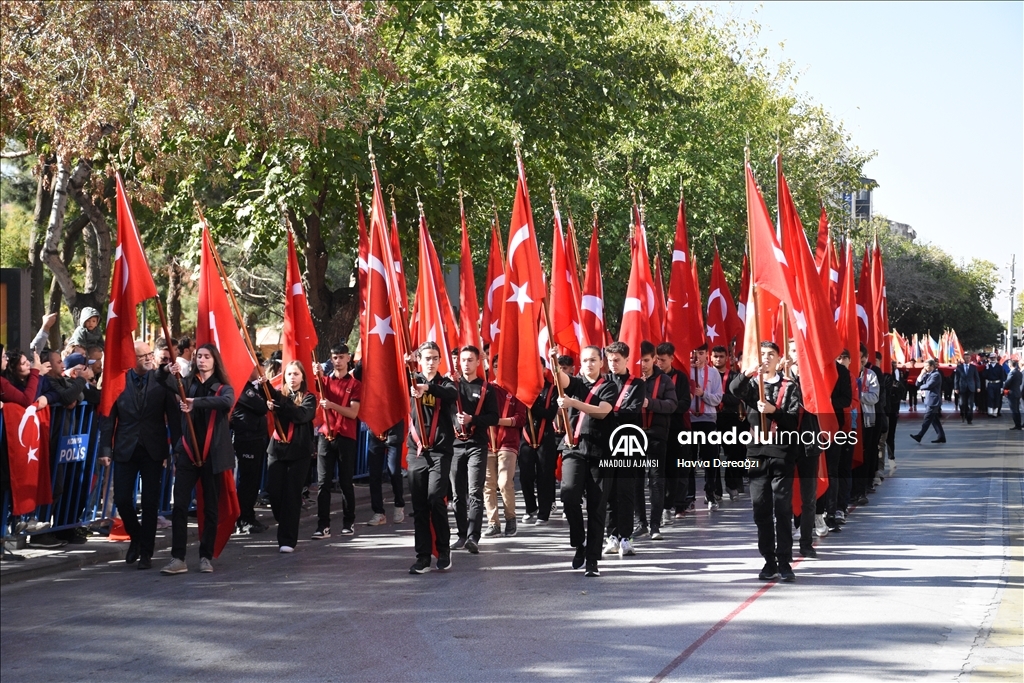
[
  {"x": 38, "y": 236},
  {"x": 174, "y": 272},
  {"x": 97, "y": 252},
  {"x": 67, "y": 253},
  {"x": 54, "y": 232}
]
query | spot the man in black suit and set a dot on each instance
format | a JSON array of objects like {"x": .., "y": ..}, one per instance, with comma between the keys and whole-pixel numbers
[{"x": 136, "y": 435}]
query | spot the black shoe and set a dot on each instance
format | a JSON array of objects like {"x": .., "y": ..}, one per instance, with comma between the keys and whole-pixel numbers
[
  {"x": 257, "y": 527},
  {"x": 863, "y": 500},
  {"x": 422, "y": 566},
  {"x": 916, "y": 438},
  {"x": 770, "y": 572},
  {"x": 145, "y": 562},
  {"x": 510, "y": 527},
  {"x": 133, "y": 553},
  {"x": 642, "y": 530},
  {"x": 580, "y": 558},
  {"x": 808, "y": 552},
  {"x": 942, "y": 440},
  {"x": 592, "y": 569},
  {"x": 47, "y": 541},
  {"x": 786, "y": 574},
  {"x": 472, "y": 547},
  {"x": 1016, "y": 429},
  {"x": 444, "y": 563},
  {"x": 459, "y": 544}
]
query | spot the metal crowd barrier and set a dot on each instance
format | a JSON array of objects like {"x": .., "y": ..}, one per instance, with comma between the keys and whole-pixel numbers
[{"x": 83, "y": 490}]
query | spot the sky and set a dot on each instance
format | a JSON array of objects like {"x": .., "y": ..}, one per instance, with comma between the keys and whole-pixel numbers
[{"x": 937, "y": 91}]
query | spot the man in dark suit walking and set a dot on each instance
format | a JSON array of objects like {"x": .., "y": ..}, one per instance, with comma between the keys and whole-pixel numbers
[{"x": 136, "y": 436}]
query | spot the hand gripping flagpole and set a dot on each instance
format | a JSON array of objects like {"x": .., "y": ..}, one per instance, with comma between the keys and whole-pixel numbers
[
  {"x": 278, "y": 428},
  {"x": 320, "y": 388}
]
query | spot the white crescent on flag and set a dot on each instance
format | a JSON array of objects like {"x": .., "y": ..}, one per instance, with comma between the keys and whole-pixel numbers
[
  {"x": 522, "y": 234},
  {"x": 498, "y": 282},
  {"x": 30, "y": 413},
  {"x": 594, "y": 304},
  {"x": 717, "y": 294}
]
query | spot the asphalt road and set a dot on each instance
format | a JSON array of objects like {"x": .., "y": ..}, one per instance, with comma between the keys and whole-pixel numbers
[{"x": 923, "y": 583}]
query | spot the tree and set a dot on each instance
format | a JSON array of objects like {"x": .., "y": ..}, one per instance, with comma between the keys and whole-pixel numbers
[{"x": 119, "y": 83}]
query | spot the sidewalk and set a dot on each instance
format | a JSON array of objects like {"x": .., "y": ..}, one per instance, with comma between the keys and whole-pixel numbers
[{"x": 97, "y": 550}]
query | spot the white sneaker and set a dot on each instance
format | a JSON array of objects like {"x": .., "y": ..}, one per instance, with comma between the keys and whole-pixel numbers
[
  {"x": 162, "y": 522},
  {"x": 205, "y": 566},
  {"x": 530, "y": 519},
  {"x": 377, "y": 519},
  {"x": 712, "y": 505},
  {"x": 666, "y": 518},
  {"x": 877, "y": 481},
  {"x": 820, "y": 527},
  {"x": 286, "y": 549},
  {"x": 891, "y": 466},
  {"x": 796, "y": 533},
  {"x": 35, "y": 526},
  {"x": 611, "y": 546},
  {"x": 625, "y": 548},
  {"x": 399, "y": 516}
]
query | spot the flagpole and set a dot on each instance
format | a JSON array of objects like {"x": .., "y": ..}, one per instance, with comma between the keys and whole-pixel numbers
[
  {"x": 198, "y": 459},
  {"x": 562, "y": 412},
  {"x": 753, "y": 293},
  {"x": 278, "y": 428},
  {"x": 320, "y": 387}
]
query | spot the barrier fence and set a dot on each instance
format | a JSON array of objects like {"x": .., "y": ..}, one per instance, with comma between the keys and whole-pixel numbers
[{"x": 83, "y": 489}]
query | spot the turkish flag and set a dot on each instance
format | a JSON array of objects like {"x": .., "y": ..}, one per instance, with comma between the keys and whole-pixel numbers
[
  {"x": 28, "y": 454},
  {"x": 817, "y": 342},
  {"x": 741, "y": 301},
  {"x": 401, "y": 293},
  {"x": 655, "y": 322},
  {"x": 865, "y": 308},
  {"x": 490, "y": 324},
  {"x": 299, "y": 338},
  {"x": 383, "y": 356},
  {"x": 572, "y": 255},
  {"x": 519, "y": 367},
  {"x": 636, "y": 317},
  {"x": 849, "y": 333},
  {"x": 830, "y": 277},
  {"x": 723, "y": 323},
  {"x": 769, "y": 269},
  {"x": 824, "y": 245},
  {"x": 564, "y": 308},
  {"x": 683, "y": 325},
  {"x": 216, "y": 323},
  {"x": 469, "y": 309},
  {"x": 364, "y": 250},
  {"x": 659, "y": 296},
  {"x": 592, "y": 299},
  {"x": 432, "y": 320},
  {"x": 228, "y": 509},
  {"x": 131, "y": 284},
  {"x": 881, "y": 310},
  {"x": 695, "y": 275}
]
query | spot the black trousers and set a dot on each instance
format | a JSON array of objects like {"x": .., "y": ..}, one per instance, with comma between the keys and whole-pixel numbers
[
  {"x": 1013, "y": 398},
  {"x": 468, "y": 474},
  {"x": 844, "y": 480},
  {"x": 537, "y": 476},
  {"x": 966, "y": 405},
  {"x": 807, "y": 469},
  {"x": 708, "y": 453},
  {"x": 864, "y": 474},
  {"x": 771, "y": 493},
  {"x": 581, "y": 475},
  {"x": 429, "y": 476},
  {"x": 680, "y": 482},
  {"x": 285, "y": 479},
  {"x": 827, "y": 503},
  {"x": 931, "y": 419},
  {"x": 186, "y": 475},
  {"x": 340, "y": 452},
  {"x": 654, "y": 479},
  {"x": 249, "y": 457},
  {"x": 890, "y": 436},
  {"x": 734, "y": 451},
  {"x": 125, "y": 476}
]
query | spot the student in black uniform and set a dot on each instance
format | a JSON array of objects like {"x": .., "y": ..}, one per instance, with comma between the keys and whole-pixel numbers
[
  {"x": 431, "y": 437},
  {"x": 679, "y": 483},
  {"x": 289, "y": 462},
  {"x": 629, "y": 398},
  {"x": 589, "y": 398},
  {"x": 249, "y": 437},
  {"x": 658, "y": 407},
  {"x": 538, "y": 456},
  {"x": 475, "y": 410},
  {"x": 771, "y": 480},
  {"x": 729, "y": 420},
  {"x": 209, "y": 400}
]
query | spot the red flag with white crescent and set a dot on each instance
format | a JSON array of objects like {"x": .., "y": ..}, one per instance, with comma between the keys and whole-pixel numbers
[{"x": 28, "y": 453}]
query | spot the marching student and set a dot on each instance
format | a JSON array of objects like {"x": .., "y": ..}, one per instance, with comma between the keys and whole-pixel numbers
[
  {"x": 680, "y": 485},
  {"x": 288, "y": 462},
  {"x": 588, "y": 398},
  {"x": 707, "y": 396},
  {"x": 771, "y": 479},
  {"x": 337, "y": 443},
  {"x": 729, "y": 419},
  {"x": 656, "y": 415},
  {"x": 863, "y": 475},
  {"x": 538, "y": 456},
  {"x": 431, "y": 437},
  {"x": 475, "y": 410},
  {"x": 502, "y": 453},
  {"x": 209, "y": 398},
  {"x": 249, "y": 438},
  {"x": 629, "y": 399}
]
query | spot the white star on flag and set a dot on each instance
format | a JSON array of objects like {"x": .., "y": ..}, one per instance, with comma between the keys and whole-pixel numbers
[
  {"x": 520, "y": 295},
  {"x": 712, "y": 332},
  {"x": 381, "y": 328}
]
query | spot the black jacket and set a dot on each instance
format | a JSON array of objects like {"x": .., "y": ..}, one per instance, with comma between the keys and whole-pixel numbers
[
  {"x": 786, "y": 417},
  {"x": 468, "y": 400},
  {"x": 593, "y": 431},
  {"x": 141, "y": 419},
  {"x": 628, "y": 400},
  {"x": 249, "y": 418},
  {"x": 729, "y": 409},
  {"x": 657, "y": 416},
  {"x": 677, "y": 422},
  {"x": 297, "y": 422},
  {"x": 210, "y": 411},
  {"x": 440, "y": 398},
  {"x": 542, "y": 413}
]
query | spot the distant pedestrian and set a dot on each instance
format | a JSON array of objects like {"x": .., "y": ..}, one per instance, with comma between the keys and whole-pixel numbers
[
  {"x": 1012, "y": 389},
  {"x": 930, "y": 382}
]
